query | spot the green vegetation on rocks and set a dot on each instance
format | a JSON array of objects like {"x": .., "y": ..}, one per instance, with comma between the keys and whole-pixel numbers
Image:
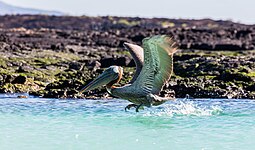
[{"x": 56, "y": 56}]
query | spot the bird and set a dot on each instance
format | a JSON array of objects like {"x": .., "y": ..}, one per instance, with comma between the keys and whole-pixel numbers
[{"x": 154, "y": 67}]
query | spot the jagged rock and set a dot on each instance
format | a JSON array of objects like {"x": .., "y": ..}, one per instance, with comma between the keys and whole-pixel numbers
[
  {"x": 230, "y": 76},
  {"x": 24, "y": 69},
  {"x": 228, "y": 46},
  {"x": 4, "y": 38},
  {"x": 94, "y": 65},
  {"x": 19, "y": 80},
  {"x": 251, "y": 87},
  {"x": 1, "y": 80},
  {"x": 76, "y": 65},
  {"x": 204, "y": 46},
  {"x": 8, "y": 78},
  {"x": 59, "y": 55},
  {"x": 121, "y": 61}
]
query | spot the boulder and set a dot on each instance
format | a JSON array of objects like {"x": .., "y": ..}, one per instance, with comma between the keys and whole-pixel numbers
[{"x": 19, "y": 80}]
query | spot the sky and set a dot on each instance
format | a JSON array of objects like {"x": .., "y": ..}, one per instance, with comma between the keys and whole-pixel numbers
[{"x": 242, "y": 11}]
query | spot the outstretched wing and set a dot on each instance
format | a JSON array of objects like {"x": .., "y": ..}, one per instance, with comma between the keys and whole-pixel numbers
[
  {"x": 137, "y": 54},
  {"x": 158, "y": 64}
]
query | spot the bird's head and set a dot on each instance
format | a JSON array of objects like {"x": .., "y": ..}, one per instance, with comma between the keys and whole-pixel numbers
[{"x": 110, "y": 76}]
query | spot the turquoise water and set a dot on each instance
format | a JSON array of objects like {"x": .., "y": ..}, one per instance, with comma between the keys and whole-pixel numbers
[{"x": 199, "y": 124}]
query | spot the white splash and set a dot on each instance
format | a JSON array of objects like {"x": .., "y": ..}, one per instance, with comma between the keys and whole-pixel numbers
[{"x": 187, "y": 108}]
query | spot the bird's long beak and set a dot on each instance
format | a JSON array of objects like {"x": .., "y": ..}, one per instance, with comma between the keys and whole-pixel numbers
[{"x": 101, "y": 80}]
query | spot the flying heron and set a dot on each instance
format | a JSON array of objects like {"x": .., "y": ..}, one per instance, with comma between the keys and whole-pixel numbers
[{"x": 154, "y": 66}]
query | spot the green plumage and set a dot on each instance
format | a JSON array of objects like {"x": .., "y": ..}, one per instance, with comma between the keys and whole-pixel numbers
[
  {"x": 158, "y": 64},
  {"x": 155, "y": 73}
]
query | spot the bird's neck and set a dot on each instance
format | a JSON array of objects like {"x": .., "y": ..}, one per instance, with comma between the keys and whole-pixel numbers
[
  {"x": 110, "y": 86},
  {"x": 115, "y": 91}
]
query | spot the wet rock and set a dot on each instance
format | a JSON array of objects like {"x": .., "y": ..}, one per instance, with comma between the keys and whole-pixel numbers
[
  {"x": 24, "y": 69},
  {"x": 76, "y": 65},
  {"x": 4, "y": 38},
  {"x": 111, "y": 42},
  {"x": 19, "y": 80},
  {"x": 1, "y": 80},
  {"x": 53, "y": 93},
  {"x": 204, "y": 46},
  {"x": 138, "y": 38},
  {"x": 8, "y": 78},
  {"x": 104, "y": 32},
  {"x": 230, "y": 76},
  {"x": 58, "y": 46},
  {"x": 167, "y": 93},
  {"x": 251, "y": 87},
  {"x": 59, "y": 55},
  {"x": 94, "y": 65},
  {"x": 228, "y": 46},
  {"x": 121, "y": 61},
  {"x": 184, "y": 57},
  {"x": 243, "y": 33}
]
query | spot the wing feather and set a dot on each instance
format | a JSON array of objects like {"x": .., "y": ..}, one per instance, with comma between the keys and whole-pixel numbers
[
  {"x": 158, "y": 64},
  {"x": 137, "y": 54}
]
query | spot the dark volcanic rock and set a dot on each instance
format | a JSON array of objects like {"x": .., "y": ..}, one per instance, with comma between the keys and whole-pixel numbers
[
  {"x": 56, "y": 56},
  {"x": 76, "y": 66},
  {"x": 19, "y": 80},
  {"x": 4, "y": 38},
  {"x": 204, "y": 46},
  {"x": 230, "y": 76},
  {"x": 24, "y": 69},
  {"x": 8, "y": 78},
  {"x": 229, "y": 45},
  {"x": 52, "y": 32},
  {"x": 121, "y": 61},
  {"x": 251, "y": 87},
  {"x": 1, "y": 80}
]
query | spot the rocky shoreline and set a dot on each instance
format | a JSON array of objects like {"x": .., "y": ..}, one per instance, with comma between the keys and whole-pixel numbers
[{"x": 54, "y": 57}]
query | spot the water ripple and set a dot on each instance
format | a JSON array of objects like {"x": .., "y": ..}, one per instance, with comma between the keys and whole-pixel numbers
[{"x": 103, "y": 124}]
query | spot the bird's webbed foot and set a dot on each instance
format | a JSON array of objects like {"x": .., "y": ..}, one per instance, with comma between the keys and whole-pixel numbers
[
  {"x": 133, "y": 105},
  {"x": 130, "y": 106}
]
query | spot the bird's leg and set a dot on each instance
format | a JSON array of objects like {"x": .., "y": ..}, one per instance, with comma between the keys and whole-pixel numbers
[
  {"x": 134, "y": 105},
  {"x": 130, "y": 106},
  {"x": 137, "y": 107}
]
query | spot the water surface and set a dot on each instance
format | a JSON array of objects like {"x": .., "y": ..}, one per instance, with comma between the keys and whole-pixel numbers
[{"x": 199, "y": 124}]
